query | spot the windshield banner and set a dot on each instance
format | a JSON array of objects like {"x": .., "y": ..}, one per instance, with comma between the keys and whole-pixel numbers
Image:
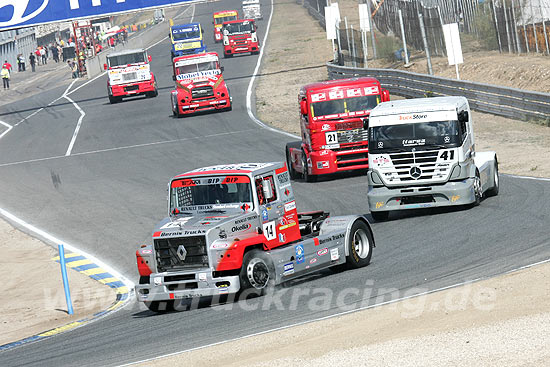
[
  {"x": 198, "y": 74},
  {"x": 411, "y": 118},
  {"x": 344, "y": 93},
  {"x": 25, "y": 13},
  {"x": 220, "y": 180}
]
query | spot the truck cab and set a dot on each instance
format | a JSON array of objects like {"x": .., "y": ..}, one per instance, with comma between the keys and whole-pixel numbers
[
  {"x": 200, "y": 86},
  {"x": 333, "y": 124},
  {"x": 129, "y": 74},
  {"x": 187, "y": 39},
  {"x": 251, "y": 9},
  {"x": 422, "y": 155},
  {"x": 236, "y": 227},
  {"x": 240, "y": 36},
  {"x": 219, "y": 18}
]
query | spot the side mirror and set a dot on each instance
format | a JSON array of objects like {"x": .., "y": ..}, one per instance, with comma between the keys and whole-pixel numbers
[
  {"x": 268, "y": 191},
  {"x": 149, "y": 58},
  {"x": 303, "y": 107},
  {"x": 385, "y": 95},
  {"x": 463, "y": 116},
  {"x": 173, "y": 77},
  {"x": 222, "y": 69},
  {"x": 212, "y": 22},
  {"x": 366, "y": 123},
  {"x": 104, "y": 66}
]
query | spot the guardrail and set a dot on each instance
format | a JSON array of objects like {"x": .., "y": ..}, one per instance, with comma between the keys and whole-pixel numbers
[{"x": 508, "y": 102}]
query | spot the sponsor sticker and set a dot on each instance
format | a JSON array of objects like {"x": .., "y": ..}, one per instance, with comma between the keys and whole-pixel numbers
[
  {"x": 334, "y": 254},
  {"x": 282, "y": 237},
  {"x": 313, "y": 261},
  {"x": 265, "y": 216},
  {"x": 288, "y": 269},
  {"x": 299, "y": 254},
  {"x": 322, "y": 252},
  {"x": 202, "y": 277},
  {"x": 290, "y": 206}
]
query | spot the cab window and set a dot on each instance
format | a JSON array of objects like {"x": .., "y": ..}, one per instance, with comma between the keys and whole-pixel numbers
[{"x": 261, "y": 191}]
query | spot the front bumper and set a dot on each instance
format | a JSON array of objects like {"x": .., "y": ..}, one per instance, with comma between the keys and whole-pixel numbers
[
  {"x": 181, "y": 285},
  {"x": 328, "y": 161},
  {"x": 425, "y": 196},
  {"x": 241, "y": 49},
  {"x": 132, "y": 89},
  {"x": 199, "y": 106}
]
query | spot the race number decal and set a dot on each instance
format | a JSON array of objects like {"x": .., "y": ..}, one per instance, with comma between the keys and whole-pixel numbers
[
  {"x": 448, "y": 155},
  {"x": 331, "y": 137},
  {"x": 269, "y": 230}
]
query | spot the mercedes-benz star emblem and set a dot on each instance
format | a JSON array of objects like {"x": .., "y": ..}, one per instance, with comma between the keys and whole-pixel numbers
[
  {"x": 181, "y": 252},
  {"x": 415, "y": 172}
]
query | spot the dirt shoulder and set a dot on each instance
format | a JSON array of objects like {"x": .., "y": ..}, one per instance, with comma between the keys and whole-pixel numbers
[{"x": 33, "y": 299}]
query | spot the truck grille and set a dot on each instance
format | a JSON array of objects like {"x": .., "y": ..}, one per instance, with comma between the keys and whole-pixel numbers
[
  {"x": 169, "y": 254},
  {"x": 202, "y": 92},
  {"x": 425, "y": 161},
  {"x": 129, "y": 76}
]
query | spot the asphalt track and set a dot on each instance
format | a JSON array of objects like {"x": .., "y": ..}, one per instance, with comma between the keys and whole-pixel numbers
[{"x": 108, "y": 194}]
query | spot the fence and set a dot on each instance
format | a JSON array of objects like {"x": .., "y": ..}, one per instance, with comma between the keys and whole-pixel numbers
[{"x": 508, "y": 102}]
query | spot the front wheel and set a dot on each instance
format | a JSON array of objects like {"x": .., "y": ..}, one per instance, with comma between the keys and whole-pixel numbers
[
  {"x": 360, "y": 245},
  {"x": 257, "y": 273},
  {"x": 493, "y": 191},
  {"x": 291, "y": 171},
  {"x": 113, "y": 100},
  {"x": 478, "y": 190},
  {"x": 160, "y": 306},
  {"x": 305, "y": 172}
]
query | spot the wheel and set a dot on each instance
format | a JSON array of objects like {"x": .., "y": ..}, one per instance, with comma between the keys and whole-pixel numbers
[
  {"x": 493, "y": 191},
  {"x": 227, "y": 56},
  {"x": 305, "y": 173},
  {"x": 380, "y": 216},
  {"x": 360, "y": 245},
  {"x": 257, "y": 273},
  {"x": 291, "y": 171},
  {"x": 478, "y": 193},
  {"x": 113, "y": 100},
  {"x": 155, "y": 93}
]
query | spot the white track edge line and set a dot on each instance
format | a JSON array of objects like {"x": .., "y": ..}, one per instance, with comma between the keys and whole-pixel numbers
[
  {"x": 251, "y": 84},
  {"x": 8, "y": 126},
  {"x": 338, "y": 314},
  {"x": 77, "y": 128}
]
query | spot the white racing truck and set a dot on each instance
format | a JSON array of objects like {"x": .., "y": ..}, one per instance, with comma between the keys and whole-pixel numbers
[
  {"x": 252, "y": 10},
  {"x": 422, "y": 155},
  {"x": 235, "y": 227}
]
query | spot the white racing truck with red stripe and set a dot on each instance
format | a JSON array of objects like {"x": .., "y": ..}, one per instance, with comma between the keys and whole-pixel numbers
[{"x": 236, "y": 228}]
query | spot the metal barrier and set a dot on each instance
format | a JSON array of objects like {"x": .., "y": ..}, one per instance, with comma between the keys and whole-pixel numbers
[{"x": 508, "y": 102}]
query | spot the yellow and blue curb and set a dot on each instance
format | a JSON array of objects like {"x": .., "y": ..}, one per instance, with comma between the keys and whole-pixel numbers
[{"x": 85, "y": 266}]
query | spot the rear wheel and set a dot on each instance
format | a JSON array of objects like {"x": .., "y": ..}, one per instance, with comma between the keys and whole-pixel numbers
[
  {"x": 478, "y": 193},
  {"x": 113, "y": 100},
  {"x": 257, "y": 273},
  {"x": 493, "y": 191},
  {"x": 360, "y": 245}
]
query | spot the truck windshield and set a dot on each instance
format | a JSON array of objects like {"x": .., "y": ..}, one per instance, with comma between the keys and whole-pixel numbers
[
  {"x": 236, "y": 28},
  {"x": 226, "y": 18},
  {"x": 219, "y": 192},
  {"x": 345, "y": 105},
  {"x": 408, "y": 136},
  {"x": 127, "y": 59},
  {"x": 193, "y": 68},
  {"x": 187, "y": 33}
]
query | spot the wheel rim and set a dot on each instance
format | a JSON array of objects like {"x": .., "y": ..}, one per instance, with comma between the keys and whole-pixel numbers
[
  {"x": 257, "y": 273},
  {"x": 477, "y": 187},
  {"x": 360, "y": 243}
]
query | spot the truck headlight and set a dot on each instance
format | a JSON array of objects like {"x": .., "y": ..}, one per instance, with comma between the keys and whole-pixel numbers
[
  {"x": 375, "y": 178},
  {"x": 456, "y": 172}
]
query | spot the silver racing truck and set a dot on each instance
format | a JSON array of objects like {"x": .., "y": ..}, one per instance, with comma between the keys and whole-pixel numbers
[
  {"x": 422, "y": 154},
  {"x": 236, "y": 227}
]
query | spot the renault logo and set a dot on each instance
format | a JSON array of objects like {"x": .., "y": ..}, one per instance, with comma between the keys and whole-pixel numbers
[
  {"x": 415, "y": 172},
  {"x": 181, "y": 252}
]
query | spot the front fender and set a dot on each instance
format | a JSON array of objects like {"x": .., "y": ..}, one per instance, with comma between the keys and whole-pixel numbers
[{"x": 344, "y": 223}]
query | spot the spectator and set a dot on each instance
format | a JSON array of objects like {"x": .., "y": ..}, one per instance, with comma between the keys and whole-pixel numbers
[
  {"x": 112, "y": 42},
  {"x": 43, "y": 55},
  {"x": 5, "y": 74},
  {"x": 21, "y": 60},
  {"x": 38, "y": 57},
  {"x": 74, "y": 68},
  {"x": 55, "y": 54},
  {"x": 32, "y": 60},
  {"x": 7, "y": 65},
  {"x": 60, "y": 52}
]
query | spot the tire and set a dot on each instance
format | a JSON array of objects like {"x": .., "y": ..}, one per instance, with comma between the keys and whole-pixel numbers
[
  {"x": 360, "y": 245},
  {"x": 113, "y": 100},
  {"x": 478, "y": 193},
  {"x": 291, "y": 171},
  {"x": 380, "y": 216},
  {"x": 227, "y": 56},
  {"x": 160, "y": 306},
  {"x": 257, "y": 273},
  {"x": 305, "y": 174},
  {"x": 493, "y": 191}
]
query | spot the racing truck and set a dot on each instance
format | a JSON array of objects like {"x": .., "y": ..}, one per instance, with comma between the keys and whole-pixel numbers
[
  {"x": 422, "y": 155},
  {"x": 333, "y": 124},
  {"x": 235, "y": 228},
  {"x": 200, "y": 86},
  {"x": 219, "y": 18},
  {"x": 252, "y": 10},
  {"x": 239, "y": 36},
  {"x": 129, "y": 75},
  {"x": 186, "y": 39}
]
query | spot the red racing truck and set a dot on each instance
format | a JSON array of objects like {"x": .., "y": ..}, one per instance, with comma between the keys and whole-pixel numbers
[
  {"x": 219, "y": 18},
  {"x": 129, "y": 75},
  {"x": 333, "y": 123},
  {"x": 239, "y": 36},
  {"x": 200, "y": 85}
]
